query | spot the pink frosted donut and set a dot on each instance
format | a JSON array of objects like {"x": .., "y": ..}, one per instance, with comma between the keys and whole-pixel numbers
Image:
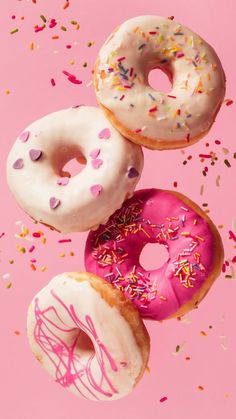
[{"x": 168, "y": 218}]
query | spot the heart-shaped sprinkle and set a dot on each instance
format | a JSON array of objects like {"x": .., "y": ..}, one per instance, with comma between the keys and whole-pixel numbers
[
  {"x": 18, "y": 164},
  {"x": 63, "y": 181},
  {"x": 35, "y": 154},
  {"x": 96, "y": 190},
  {"x": 105, "y": 134},
  {"x": 94, "y": 153},
  {"x": 132, "y": 172},
  {"x": 96, "y": 163},
  {"x": 24, "y": 136},
  {"x": 54, "y": 202}
]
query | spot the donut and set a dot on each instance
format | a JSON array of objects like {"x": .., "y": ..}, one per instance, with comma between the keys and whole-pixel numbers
[
  {"x": 88, "y": 336},
  {"x": 48, "y": 194},
  {"x": 195, "y": 253},
  {"x": 151, "y": 118}
]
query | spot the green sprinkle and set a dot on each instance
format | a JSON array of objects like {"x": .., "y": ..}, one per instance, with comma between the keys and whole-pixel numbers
[
  {"x": 63, "y": 28},
  {"x": 177, "y": 348},
  {"x": 227, "y": 163},
  {"x": 14, "y": 31},
  {"x": 43, "y": 18}
]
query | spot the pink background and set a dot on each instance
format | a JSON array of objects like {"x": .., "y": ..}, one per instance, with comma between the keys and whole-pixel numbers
[{"x": 26, "y": 391}]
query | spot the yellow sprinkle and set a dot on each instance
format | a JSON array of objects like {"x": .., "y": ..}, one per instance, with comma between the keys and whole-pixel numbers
[
  {"x": 7, "y": 91},
  {"x": 195, "y": 221},
  {"x": 72, "y": 62},
  {"x": 31, "y": 46},
  {"x": 148, "y": 369},
  {"x": 43, "y": 269},
  {"x": 200, "y": 238},
  {"x": 185, "y": 233},
  {"x": 62, "y": 255},
  {"x": 9, "y": 285},
  {"x": 203, "y": 333},
  {"x": 72, "y": 254},
  {"x": 43, "y": 240},
  {"x": 163, "y": 298}
]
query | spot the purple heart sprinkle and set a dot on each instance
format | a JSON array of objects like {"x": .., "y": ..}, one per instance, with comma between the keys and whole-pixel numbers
[
  {"x": 96, "y": 163},
  {"x": 105, "y": 134},
  {"x": 54, "y": 202},
  {"x": 96, "y": 190},
  {"x": 63, "y": 181},
  {"x": 18, "y": 164},
  {"x": 94, "y": 153},
  {"x": 132, "y": 172},
  {"x": 35, "y": 154},
  {"x": 24, "y": 136}
]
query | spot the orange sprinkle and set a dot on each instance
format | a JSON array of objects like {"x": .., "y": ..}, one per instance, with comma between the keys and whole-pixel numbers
[
  {"x": 200, "y": 388},
  {"x": 203, "y": 333},
  {"x": 17, "y": 332},
  {"x": 33, "y": 267}
]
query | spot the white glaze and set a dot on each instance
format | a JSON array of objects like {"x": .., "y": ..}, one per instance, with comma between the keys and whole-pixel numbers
[
  {"x": 192, "y": 64},
  {"x": 47, "y": 316},
  {"x": 61, "y": 136}
]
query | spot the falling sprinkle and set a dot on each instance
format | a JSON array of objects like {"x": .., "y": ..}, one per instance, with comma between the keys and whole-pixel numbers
[
  {"x": 14, "y": 31},
  {"x": 163, "y": 399}
]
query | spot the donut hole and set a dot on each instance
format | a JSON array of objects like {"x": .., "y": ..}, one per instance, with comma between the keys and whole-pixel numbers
[
  {"x": 84, "y": 343},
  {"x": 74, "y": 166},
  {"x": 153, "y": 256},
  {"x": 160, "y": 80}
]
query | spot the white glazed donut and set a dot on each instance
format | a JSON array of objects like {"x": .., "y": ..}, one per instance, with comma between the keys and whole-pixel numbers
[
  {"x": 35, "y": 169},
  {"x": 155, "y": 119},
  {"x": 88, "y": 336}
]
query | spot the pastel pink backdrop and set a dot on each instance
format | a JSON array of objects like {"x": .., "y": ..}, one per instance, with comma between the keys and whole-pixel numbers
[{"x": 26, "y": 391}]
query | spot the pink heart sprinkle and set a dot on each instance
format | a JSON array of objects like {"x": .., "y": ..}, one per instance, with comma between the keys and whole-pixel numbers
[
  {"x": 96, "y": 163},
  {"x": 54, "y": 202},
  {"x": 63, "y": 181},
  {"x": 96, "y": 190},
  {"x": 94, "y": 153},
  {"x": 18, "y": 164},
  {"x": 105, "y": 134},
  {"x": 24, "y": 136},
  {"x": 35, "y": 154}
]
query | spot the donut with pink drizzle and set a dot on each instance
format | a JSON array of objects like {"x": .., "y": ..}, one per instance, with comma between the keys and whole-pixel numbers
[
  {"x": 88, "y": 336},
  {"x": 174, "y": 221},
  {"x": 149, "y": 117},
  {"x": 49, "y": 194}
]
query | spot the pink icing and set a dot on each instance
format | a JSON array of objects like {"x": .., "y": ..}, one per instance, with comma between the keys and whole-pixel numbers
[
  {"x": 153, "y": 216},
  {"x": 96, "y": 163},
  {"x": 60, "y": 344}
]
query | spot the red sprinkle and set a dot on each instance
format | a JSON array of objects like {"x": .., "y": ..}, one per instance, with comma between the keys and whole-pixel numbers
[
  {"x": 223, "y": 268},
  {"x": 234, "y": 259},
  {"x": 64, "y": 241},
  {"x": 31, "y": 248},
  {"x": 131, "y": 71},
  {"x": 217, "y": 142},
  {"x": 175, "y": 184},
  {"x": 163, "y": 399},
  {"x": 229, "y": 102},
  {"x": 122, "y": 97},
  {"x": 173, "y": 97},
  {"x": 154, "y": 109},
  {"x": 68, "y": 46},
  {"x": 232, "y": 236},
  {"x": 120, "y": 59},
  {"x": 36, "y": 234},
  {"x": 53, "y": 83},
  {"x": 205, "y": 156},
  {"x": 67, "y": 3}
]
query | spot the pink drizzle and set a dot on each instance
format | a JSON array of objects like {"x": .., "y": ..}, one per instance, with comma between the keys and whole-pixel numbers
[{"x": 71, "y": 369}]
